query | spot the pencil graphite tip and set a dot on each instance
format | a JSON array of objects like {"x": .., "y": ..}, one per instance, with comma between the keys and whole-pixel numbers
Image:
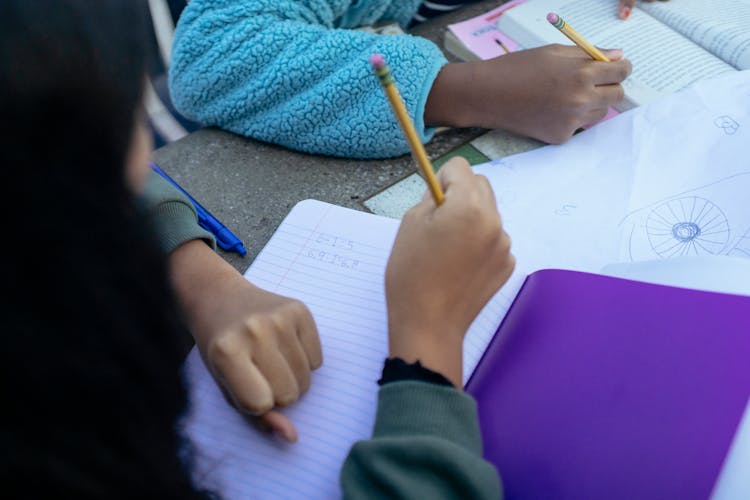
[
  {"x": 553, "y": 18},
  {"x": 377, "y": 61}
]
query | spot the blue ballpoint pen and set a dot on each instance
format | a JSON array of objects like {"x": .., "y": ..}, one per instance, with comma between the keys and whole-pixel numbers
[{"x": 224, "y": 237}]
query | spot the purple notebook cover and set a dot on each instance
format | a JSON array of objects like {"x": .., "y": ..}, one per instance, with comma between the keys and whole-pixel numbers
[{"x": 604, "y": 388}]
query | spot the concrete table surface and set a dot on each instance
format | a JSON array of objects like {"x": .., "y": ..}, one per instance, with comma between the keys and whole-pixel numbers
[{"x": 250, "y": 186}]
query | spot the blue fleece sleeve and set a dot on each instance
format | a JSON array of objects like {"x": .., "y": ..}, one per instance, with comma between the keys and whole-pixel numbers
[{"x": 292, "y": 73}]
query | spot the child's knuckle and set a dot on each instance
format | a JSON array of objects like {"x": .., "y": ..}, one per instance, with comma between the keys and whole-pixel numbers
[{"x": 223, "y": 348}]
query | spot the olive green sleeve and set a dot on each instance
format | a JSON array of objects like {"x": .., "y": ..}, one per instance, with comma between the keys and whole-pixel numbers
[
  {"x": 172, "y": 215},
  {"x": 426, "y": 444}
]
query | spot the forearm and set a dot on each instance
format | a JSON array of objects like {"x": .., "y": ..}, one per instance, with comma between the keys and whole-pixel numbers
[
  {"x": 447, "y": 101},
  {"x": 200, "y": 278},
  {"x": 450, "y": 104}
]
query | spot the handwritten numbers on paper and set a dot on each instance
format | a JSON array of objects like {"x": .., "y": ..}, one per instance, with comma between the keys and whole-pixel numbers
[
  {"x": 566, "y": 210},
  {"x": 329, "y": 254},
  {"x": 727, "y": 124},
  {"x": 333, "y": 259},
  {"x": 334, "y": 241}
]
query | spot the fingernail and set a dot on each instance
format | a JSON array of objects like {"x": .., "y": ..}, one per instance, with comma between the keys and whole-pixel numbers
[
  {"x": 615, "y": 53},
  {"x": 625, "y": 12},
  {"x": 289, "y": 435}
]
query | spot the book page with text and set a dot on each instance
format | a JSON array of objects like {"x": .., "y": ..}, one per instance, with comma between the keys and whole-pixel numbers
[
  {"x": 663, "y": 60},
  {"x": 333, "y": 259},
  {"x": 722, "y": 27}
]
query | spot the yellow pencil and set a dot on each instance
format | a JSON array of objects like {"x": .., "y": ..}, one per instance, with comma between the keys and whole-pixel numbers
[
  {"x": 575, "y": 37},
  {"x": 505, "y": 49},
  {"x": 407, "y": 126}
]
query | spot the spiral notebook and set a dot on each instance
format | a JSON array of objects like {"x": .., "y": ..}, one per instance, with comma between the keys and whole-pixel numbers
[{"x": 333, "y": 259}]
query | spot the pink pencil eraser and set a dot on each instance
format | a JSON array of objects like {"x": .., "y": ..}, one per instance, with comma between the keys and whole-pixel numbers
[
  {"x": 553, "y": 18},
  {"x": 377, "y": 61}
]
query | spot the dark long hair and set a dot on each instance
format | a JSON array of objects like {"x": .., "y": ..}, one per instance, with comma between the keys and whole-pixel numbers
[{"x": 91, "y": 384}]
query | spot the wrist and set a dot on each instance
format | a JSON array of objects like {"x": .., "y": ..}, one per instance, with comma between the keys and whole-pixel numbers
[
  {"x": 398, "y": 370},
  {"x": 447, "y": 101},
  {"x": 194, "y": 267},
  {"x": 439, "y": 353},
  {"x": 196, "y": 272}
]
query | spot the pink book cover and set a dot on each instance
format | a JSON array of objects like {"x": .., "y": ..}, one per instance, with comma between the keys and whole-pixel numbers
[{"x": 480, "y": 34}]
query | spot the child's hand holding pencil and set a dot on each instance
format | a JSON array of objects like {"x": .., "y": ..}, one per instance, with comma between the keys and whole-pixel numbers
[
  {"x": 439, "y": 253},
  {"x": 546, "y": 93}
]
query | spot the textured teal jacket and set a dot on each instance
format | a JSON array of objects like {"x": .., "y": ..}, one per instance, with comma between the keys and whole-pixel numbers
[{"x": 294, "y": 73}]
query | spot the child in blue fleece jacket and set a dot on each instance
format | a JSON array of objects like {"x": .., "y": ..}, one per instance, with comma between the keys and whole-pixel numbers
[{"x": 293, "y": 72}]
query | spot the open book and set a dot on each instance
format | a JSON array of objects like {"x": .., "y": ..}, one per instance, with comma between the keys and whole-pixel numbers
[{"x": 671, "y": 44}]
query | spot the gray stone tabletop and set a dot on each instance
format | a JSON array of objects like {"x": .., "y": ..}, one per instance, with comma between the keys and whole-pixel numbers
[{"x": 250, "y": 186}]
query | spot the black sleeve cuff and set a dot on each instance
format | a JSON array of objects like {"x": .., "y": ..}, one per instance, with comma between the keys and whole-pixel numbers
[{"x": 397, "y": 370}]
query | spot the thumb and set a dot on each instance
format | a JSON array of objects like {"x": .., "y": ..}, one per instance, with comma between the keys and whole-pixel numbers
[
  {"x": 624, "y": 7},
  {"x": 278, "y": 423},
  {"x": 457, "y": 170}
]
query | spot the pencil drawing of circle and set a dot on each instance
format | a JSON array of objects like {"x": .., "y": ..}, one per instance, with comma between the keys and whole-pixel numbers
[
  {"x": 686, "y": 231},
  {"x": 687, "y": 226}
]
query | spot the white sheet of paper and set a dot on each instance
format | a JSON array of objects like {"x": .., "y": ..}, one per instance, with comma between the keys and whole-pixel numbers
[
  {"x": 692, "y": 174},
  {"x": 723, "y": 273},
  {"x": 660, "y": 181}
]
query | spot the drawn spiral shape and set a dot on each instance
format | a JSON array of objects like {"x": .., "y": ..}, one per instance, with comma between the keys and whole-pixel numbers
[{"x": 687, "y": 226}]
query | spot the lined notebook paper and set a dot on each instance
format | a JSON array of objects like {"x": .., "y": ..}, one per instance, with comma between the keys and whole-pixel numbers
[{"x": 333, "y": 259}]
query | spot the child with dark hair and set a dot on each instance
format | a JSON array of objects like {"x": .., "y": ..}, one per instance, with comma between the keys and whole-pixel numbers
[
  {"x": 71, "y": 87},
  {"x": 95, "y": 315},
  {"x": 91, "y": 358}
]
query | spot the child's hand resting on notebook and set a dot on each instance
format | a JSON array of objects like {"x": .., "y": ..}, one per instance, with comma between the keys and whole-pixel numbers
[
  {"x": 546, "y": 93},
  {"x": 260, "y": 347},
  {"x": 446, "y": 263}
]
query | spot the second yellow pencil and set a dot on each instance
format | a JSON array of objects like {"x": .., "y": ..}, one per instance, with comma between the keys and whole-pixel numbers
[
  {"x": 576, "y": 38},
  {"x": 407, "y": 126}
]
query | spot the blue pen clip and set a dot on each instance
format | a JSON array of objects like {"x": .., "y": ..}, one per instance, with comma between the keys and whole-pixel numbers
[{"x": 224, "y": 237}]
